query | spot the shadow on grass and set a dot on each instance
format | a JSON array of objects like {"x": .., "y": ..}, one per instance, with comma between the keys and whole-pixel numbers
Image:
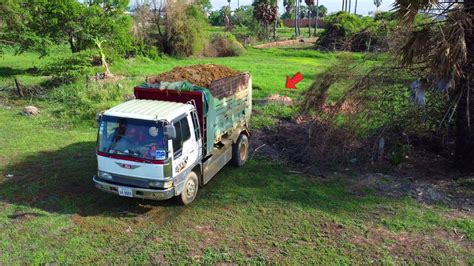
[
  {"x": 262, "y": 181},
  {"x": 61, "y": 181},
  {"x": 8, "y": 72}
]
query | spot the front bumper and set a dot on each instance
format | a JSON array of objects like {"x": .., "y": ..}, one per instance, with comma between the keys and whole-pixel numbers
[{"x": 143, "y": 193}]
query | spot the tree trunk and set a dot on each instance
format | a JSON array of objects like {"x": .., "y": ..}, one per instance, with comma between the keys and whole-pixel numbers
[
  {"x": 298, "y": 31},
  {"x": 274, "y": 30},
  {"x": 296, "y": 19},
  {"x": 73, "y": 44},
  {"x": 19, "y": 88},
  {"x": 309, "y": 23},
  {"x": 316, "y": 21},
  {"x": 465, "y": 112}
]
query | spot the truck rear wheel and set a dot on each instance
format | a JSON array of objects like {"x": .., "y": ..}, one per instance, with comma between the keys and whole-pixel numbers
[
  {"x": 191, "y": 185},
  {"x": 240, "y": 150}
]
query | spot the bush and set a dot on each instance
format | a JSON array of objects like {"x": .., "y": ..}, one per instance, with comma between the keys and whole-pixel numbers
[
  {"x": 184, "y": 29},
  {"x": 78, "y": 104},
  {"x": 355, "y": 33},
  {"x": 68, "y": 69},
  {"x": 223, "y": 45}
]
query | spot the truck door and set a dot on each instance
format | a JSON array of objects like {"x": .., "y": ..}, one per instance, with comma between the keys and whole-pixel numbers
[
  {"x": 197, "y": 131},
  {"x": 185, "y": 148}
]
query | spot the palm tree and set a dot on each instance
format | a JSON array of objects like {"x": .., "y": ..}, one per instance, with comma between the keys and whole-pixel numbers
[
  {"x": 355, "y": 7},
  {"x": 309, "y": 3},
  {"x": 266, "y": 12},
  {"x": 316, "y": 20},
  {"x": 443, "y": 49},
  {"x": 377, "y": 3}
]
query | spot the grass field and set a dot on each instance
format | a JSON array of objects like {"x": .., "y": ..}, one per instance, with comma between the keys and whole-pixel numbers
[
  {"x": 269, "y": 68},
  {"x": 261, "y": 213}
]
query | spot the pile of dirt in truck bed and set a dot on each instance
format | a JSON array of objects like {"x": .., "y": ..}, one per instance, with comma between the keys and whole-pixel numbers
[{"x": 200, "y": 75}]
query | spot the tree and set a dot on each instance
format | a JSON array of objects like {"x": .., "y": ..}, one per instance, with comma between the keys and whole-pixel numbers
[
  {"x": 309, "y": 4},
  {"x": 216, "y": 18},
  {"x": 289, "y": 6},
  {"x": 318, "y": 12},
  {"x": 36, "y": 25},
  {"x": 442, "y": 50},
  {"x": 205, "y": 5},
  {"x": 226, "y": 13},
  {"x": 377, "y": 3},
  {"x": 266, "y": 12},
  {"x": 243, "y": 16}
]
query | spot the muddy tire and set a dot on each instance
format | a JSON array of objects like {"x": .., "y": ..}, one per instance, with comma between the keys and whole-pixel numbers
[
  {"x": 240, "y": 150},
  {"x": 191, "y": 185}
]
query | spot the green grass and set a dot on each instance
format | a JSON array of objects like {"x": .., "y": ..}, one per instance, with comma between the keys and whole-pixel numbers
[
  {"x": 79, "y": 102},
  {"x": 50, "y": 212},
  {"x": 269, "y": 67}
]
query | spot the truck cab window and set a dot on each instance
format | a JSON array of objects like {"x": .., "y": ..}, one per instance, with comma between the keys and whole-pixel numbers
[
  {"x": 196, "y": 126},
  {"x": 182, "y": 134}
]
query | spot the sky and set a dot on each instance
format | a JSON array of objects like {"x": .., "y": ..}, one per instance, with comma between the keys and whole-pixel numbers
[{"x": 363, "y": 6}]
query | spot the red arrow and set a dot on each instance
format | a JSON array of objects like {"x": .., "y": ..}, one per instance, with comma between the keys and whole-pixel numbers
[{"x": 291, "y": 82}]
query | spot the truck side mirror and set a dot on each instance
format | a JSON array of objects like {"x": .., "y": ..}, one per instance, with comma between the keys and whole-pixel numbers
[
  {"x": 170, "y": 131},
  {"x": 98, "y": 117}
]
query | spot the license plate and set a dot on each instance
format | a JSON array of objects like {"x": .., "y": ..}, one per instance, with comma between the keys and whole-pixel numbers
[{"x": 125, "y": 192}]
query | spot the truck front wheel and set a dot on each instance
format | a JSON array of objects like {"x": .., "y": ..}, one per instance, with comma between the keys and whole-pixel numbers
[
  {"x": 191, "y": 185},
  {"x": 240, "y": 150}
]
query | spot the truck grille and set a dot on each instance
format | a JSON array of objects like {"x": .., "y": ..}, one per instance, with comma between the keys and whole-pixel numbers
[{"x": 130, "y": 181}]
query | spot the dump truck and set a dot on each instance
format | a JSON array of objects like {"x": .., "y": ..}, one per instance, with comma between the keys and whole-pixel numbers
[{"x": 173, "y": 138}]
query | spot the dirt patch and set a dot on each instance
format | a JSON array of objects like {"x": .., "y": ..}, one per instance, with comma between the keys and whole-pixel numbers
[
  {"x": 200, "y": 75},
  {"x": 108, "y": 78},
  {"x": 285, "y": 100},
  {"x": 23, "y": 216},
  {"x": 409, "y": 246},
  {"x": 286, "y": 43},
  {"x": 309, "y": 143},
  {"x": 430, "y": 191},
  {"x": 313, "y": 147}
]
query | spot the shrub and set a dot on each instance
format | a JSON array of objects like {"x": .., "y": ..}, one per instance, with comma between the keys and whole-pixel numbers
[
  {"x": 67, "y": 69},
  {"x": 184, "y": 29},
  {"x": 223, "y": 45},
  {"x": 355, "y": 33},
  {"x": 78, "y": 104}
]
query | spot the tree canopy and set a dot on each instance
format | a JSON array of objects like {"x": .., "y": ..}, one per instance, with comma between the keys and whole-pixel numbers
[{"x": 34, "y": 25}]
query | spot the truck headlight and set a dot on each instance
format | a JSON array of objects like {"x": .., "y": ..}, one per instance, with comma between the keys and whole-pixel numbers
[
  {"x": 104, "y": 175},
  {"x": 161, "y": 184},
  {"x": 168, "y": 184}
]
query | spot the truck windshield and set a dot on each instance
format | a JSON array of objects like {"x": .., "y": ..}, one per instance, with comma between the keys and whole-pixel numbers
[{"x": 132, "y": 137}]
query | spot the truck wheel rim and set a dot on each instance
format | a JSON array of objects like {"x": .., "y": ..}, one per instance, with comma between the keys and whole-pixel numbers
[
  {"x": 190, "y": 189},
  {"x": 243, "y": 151}
]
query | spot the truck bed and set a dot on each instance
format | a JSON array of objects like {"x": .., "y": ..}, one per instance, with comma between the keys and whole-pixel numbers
[{"x": 224, "y": 106}]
